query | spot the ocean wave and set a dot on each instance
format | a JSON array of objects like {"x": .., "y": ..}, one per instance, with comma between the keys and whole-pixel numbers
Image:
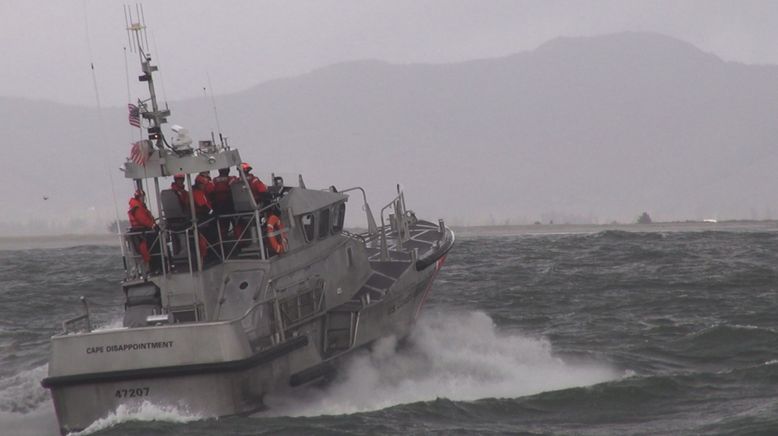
[
  {"x": 22, "y": 393},
  {"x": 729, "y": 337},
  {"x": 621, "y": 235},
  {"x": 145, "y": 411},
  {"x": 458, "y": 356}
]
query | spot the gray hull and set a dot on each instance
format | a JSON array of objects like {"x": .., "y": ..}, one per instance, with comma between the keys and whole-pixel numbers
[{"x": 221, "y": 368}]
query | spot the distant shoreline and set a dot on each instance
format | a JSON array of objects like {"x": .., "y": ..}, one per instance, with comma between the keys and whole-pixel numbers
[
  {"x": 56, "y": 241},
  {"x": 668, "y": 226},
  {"x": 72, "y": 240}
]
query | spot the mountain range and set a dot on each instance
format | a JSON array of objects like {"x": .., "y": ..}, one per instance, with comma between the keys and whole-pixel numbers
[{"x": 590, "y": 129}]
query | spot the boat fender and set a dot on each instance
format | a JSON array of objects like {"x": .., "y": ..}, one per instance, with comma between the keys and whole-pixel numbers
[{"x": 276, "y": 234}]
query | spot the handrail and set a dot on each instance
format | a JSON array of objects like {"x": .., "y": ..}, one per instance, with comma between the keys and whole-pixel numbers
[
  {"x": 275, "y": 324},
  {"x": 216, "y": 244},
  {"x": 358, "y": 237},
  {"x": 127, "y": 239},
  {"x": 384, "y": 244},
  {"x": 371, "y": 225}
]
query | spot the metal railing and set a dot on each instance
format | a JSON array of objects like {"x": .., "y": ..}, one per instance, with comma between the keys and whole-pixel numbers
[
  {"x": 253, "y": 329},
  {"x": 133, "y": 263},
  {"x": 371, "y": 225},
  {"x": 398, "y": 222},
  {"x": 81, "y": 323},
  {"x": 226, "y": 236}
]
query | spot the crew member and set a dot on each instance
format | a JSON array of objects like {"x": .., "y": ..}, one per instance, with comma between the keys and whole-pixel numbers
[
  {"x": 221, "y": 199},
  {"x": 202, "y": 211},
  {"x": 178, "y": 187},
  {"x": 209, "y": 182},
  {"x": 183, "y": 198},
  {"x": 141, "y": 220},
  {"x": 202, "y": 205},
  {"x": 258, "y": 189}
]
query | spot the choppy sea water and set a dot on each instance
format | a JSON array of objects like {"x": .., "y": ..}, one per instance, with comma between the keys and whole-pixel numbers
[{"x": 655, "y": 331}]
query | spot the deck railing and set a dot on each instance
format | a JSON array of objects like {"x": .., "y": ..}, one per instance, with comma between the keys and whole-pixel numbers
[
  {"x": 227, "y": 237},
  {"x": 398, "y": 223}
]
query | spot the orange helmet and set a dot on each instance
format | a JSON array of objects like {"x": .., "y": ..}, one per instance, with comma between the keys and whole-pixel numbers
[{"x": 246, "y": 167}]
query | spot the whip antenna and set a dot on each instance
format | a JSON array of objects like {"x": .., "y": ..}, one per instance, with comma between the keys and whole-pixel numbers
[
  {"x": 142, "y": 18},
  {"x": 101, "y": 129},
  {"x": 136, "y": 30},
  {"x": 213, "y": 103}
]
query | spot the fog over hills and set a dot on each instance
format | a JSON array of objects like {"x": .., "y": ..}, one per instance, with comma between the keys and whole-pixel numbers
[{"x": 589, "y": 129}]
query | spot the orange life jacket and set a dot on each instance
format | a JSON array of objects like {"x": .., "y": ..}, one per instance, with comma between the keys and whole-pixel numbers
[{"x": 139, "y": 215}]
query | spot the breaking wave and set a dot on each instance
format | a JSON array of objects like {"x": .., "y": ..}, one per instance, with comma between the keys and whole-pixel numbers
[
  {"x": 458, "y": 356},
  {"x": 25, "y": 406},
  {"x": 145, "y": 411},
  {"x": 22, "y": 392}
]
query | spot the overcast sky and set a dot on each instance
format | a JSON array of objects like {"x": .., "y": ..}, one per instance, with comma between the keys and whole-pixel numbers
[{"x": 48, "y": 45}]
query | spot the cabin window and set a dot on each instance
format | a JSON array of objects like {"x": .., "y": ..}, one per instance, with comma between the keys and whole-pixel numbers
[
  {"x": 338, "y": 215},
  {"x": 324, "y": 223},
  {"x": 308, "y": 222}
]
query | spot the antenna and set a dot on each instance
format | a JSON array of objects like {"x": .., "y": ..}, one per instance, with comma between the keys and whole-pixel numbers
[
  {"x": 102, "y": 138},
  {"x": 213, "y": 102},
  {"x": 143, "y": 20},
  {"x": 127, "y": 23},
  {"x": 136, "y": 29}
]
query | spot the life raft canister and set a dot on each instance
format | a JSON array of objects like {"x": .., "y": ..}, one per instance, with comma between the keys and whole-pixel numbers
[{"x": 276, "y": 235}]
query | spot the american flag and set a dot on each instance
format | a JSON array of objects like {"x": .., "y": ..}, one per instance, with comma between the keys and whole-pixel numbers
[
  {"x": 138, "y": 153},
  {"x": 134, "y": 115}
]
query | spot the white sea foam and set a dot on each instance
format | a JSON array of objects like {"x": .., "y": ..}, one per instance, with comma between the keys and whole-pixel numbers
[
  {"x": 22, "y": 393},
  {"x": 459, "y": 356},
  {"x": 145, "y": 411},
  {"x": 25, "y": 406},
  {"x": 41, "y": 422},
  {"x": 114, "y": 324}
]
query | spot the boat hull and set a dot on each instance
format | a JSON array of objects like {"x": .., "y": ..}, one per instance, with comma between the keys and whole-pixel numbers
[
  {"x": 212, "y": 386},
  {"x": 199, "y": 395},
  {"x": 206, "y": 385}
]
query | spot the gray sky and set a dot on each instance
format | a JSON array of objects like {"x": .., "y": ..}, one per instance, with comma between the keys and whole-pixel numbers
[{"x": 238, "y": 44}]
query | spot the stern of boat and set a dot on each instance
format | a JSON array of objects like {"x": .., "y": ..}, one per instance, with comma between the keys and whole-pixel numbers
[{"x": 201, "y": 369}]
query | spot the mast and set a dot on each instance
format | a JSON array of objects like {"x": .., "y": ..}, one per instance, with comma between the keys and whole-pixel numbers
[
  {"x": 136, "y": 34},
  {"x": 136, "y": 31}
]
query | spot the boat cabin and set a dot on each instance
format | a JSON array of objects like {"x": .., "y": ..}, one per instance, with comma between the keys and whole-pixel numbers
[{"x": 283, "y": 220}]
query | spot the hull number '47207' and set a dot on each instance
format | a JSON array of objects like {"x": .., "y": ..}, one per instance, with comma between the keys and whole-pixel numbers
[{"x": 132, "y": 392}]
